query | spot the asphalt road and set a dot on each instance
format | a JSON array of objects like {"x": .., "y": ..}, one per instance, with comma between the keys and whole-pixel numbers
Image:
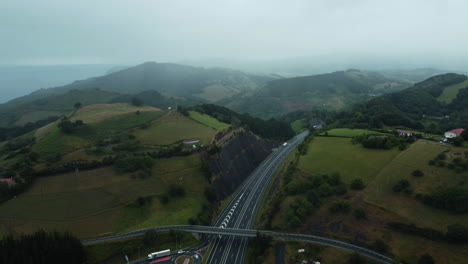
[
  {"x": 236, "y": 220},
  {"x": 242, "y": 210}
]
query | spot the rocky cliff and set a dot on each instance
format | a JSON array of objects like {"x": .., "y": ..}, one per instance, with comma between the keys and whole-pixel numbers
[{"x": 236, "y": 160}]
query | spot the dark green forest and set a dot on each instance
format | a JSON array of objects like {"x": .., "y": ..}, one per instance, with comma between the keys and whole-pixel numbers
[{"x": 42, "y": 248}]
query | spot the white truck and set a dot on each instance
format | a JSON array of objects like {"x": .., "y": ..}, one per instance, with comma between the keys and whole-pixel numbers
[
  {"x": 285, "y": 144},
  {"x": 159, "y": 254}
]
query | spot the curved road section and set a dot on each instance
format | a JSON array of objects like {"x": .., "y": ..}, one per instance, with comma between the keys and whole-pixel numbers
[{"x": 241, "y": 211}]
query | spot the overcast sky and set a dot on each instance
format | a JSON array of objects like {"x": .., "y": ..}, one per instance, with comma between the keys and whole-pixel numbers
[{"x": 134, "y": 31}]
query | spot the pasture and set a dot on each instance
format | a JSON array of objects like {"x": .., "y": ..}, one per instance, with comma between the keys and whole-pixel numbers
[
  {"x": 450, "y": 92},
  {"x": 348, "y": 132},
  {"x": 208, "y": 121},
  {"x": 100, "y": 112},
  {"x": 331, "y": 154},
  {"x": 173, "y": 128},
  {"x": 101, "y": 201},
  {"x": 379, "y": 191},
  {"x": 58, "y": 142}
]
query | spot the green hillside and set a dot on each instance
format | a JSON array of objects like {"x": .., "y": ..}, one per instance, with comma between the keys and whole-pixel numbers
[
  {"x": 435, "y": 177},
  {"x": 53, "y": 105},
  {"x": 450, "y": 92},
  {"x": 327, "y": 91},
  {"x": 327, "y": 155},
  {"x": 418, "y": 107},
  {"x": 103, "y": 122},
  {"x": 208, "y": 120},
  {"x": 174, "y": 128},
  {"x": 112, "y": 198},
  {"x": 102, "y": 201},
  {"x": 318, "y": 195}
]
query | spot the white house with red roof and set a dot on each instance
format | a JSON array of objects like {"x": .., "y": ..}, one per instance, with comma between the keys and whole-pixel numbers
[
  {"x": 404, "y": 133},
  {"x": 454, "y": 133}
]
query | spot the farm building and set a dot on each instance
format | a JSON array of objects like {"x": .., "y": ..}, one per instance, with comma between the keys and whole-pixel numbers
[
  {"x": 191, "y": 141},
  {"x": 8, "y": 181},
  {"x": 454, "y": 133},
  {"x": 404, "y": 133}
]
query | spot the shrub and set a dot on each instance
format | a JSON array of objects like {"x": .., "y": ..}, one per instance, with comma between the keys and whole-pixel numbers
[
  {"x": 340, "y": 207},
  {"x": 340, "y": 189},
  {"x": 357, "y": 184},
  {"x": 401, "y": 185},
  {"x": 176, "y": 190},
  {"x": 132, "y": 164},
  {"x": 441, "y": 156},
  {"x": 453, "y": 199},
  {"x": 417, "y": 173},
  {"x": 325, "y": 190},
  {"x": 359, "y": 213}
]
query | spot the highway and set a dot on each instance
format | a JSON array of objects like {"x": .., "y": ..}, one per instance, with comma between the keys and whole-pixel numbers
[
  {"x": 241, "y": 234},
  {"x": 230, "y": 233},
  {"x": 240, "y": 213}
]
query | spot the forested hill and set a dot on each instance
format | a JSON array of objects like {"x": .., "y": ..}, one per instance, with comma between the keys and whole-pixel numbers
[
  {"x": 167, "y": 78},
  {"x": 440, "y": 102},
  {"x": 335, "y": 91}
]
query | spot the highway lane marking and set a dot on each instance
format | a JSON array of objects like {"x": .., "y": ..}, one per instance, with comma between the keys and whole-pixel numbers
[
  {"x": 262, "y": 177},
  {"x": 268, "y": 167}
]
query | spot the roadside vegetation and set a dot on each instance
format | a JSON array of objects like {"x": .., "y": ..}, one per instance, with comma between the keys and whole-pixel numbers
[{"x": 375, "y": 198}]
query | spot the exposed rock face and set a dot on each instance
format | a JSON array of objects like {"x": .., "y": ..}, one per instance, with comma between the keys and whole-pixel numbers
[{"x": 236, "y": 160}]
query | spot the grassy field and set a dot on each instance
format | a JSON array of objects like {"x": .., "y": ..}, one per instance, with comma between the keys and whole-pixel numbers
[
  {"x": 100, "y": 112},
  {"x": 331, "y": 154},
  {"x": 100, "y": 201},
  {"x": 208, "y": 120},
  {"x": 299, "y": 125},
  {"x": 450, "y": 92},
  {"x": 347, "y": 132},
  {"x": 380, "y": 169},
  {"x": 379, "y": 191},
  {"x": 217, "y": 92},
  {"x": 172, "y": 128},
  {"x": 57, "y": 142}
]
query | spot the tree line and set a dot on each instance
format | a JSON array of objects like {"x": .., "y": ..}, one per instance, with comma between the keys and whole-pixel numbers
[
  {"x": 42, "y": 248},
  {"x": 268, "y": 129}
]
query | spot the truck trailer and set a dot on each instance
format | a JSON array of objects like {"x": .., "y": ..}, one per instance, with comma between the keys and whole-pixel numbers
[{"x": 159, "y": 254}]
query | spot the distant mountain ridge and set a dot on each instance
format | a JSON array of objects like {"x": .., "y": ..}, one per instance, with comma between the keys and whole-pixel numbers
[
  {"x": 171, "y": 84},
  {"x": 334, "y": 91},
  {"x": 416, "y": 107},
  {"x": 167, "y": 78}
]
